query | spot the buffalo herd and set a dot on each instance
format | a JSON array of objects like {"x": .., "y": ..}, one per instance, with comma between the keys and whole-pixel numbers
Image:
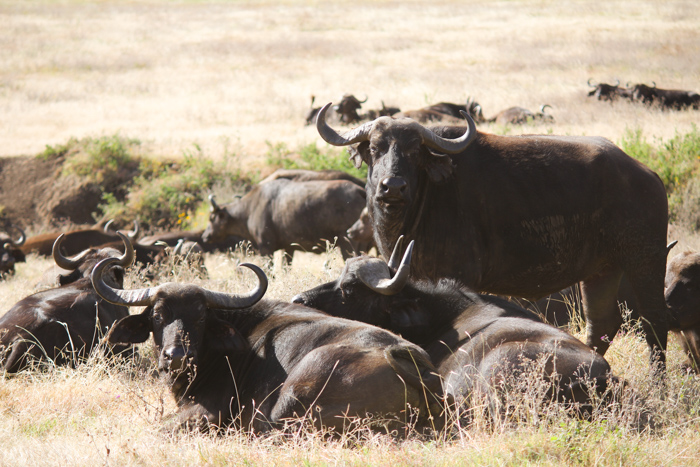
[
  {"x": 500, "y": 230},
  {"x": 346, "y": 111}
]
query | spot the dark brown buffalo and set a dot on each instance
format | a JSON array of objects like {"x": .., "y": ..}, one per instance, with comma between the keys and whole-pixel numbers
[
  {"x": 344, "y": 112},
  {"x": 290, "y": 216},
  {"x": 361, "y": 233},
  {"x": 521, "y": 216},
  {"x": 374, "y": 113},
  {"x": 444, "y": 112},
  {"x": 683, "y": 300},
  {"x": 682, "y": 294},
  {"x": 68, "y": 270},
  {"x": 477, "y": 342},
  {"x": 427, "y": 116},
  {"x": 668, "y": 99},
  {"x": 63, "y": 324},
  {"x": 301, "y": 175},
  {"x": 454, "y": 110},
  {"x": 11, "y": 252},
  {"x": 235, "y": 359},
  {"x": 609, "y": 92},
  {"x": 173, "y": 237},
  {"x": 520, "y": 116},
  {"x": 74, "y": 241}
]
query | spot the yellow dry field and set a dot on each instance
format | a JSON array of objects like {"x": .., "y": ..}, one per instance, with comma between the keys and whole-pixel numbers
[{"x": 229, "y": 76}]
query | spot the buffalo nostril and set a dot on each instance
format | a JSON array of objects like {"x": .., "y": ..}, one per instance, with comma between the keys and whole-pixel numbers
[{"x": 393, "y": 186}]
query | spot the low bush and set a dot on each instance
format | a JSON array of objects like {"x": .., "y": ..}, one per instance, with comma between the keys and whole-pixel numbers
[
  {"x": 310, "y": 157},
  {"x": 676, "y": 161}
]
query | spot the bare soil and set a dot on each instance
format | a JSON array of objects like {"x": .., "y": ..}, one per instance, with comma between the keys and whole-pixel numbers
[{"x": 33, "y": 195}]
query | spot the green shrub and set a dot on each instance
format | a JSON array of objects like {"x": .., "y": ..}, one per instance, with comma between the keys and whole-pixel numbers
[
  {"x": 310, "y": 157},
  {"x": 166, "y": 194},
  {"x": 676, "y": 161},
  {"x": 107, "y": 161}
]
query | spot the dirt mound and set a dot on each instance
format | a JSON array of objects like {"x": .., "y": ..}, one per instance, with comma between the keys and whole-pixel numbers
[{"x": 34, "y": 195}]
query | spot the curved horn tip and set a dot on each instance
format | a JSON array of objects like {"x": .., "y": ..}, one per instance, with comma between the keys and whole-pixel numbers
[
  {"x": 212, "y": 202},
  {"x": 108, "y": 226},
  {"x": 63, "y": 262},
  {"x": 409, "y": 252},
  {"x": 670, "y": 246},
  {"x": 127, "y": 259},
  {"x": 394, "y": 260}
]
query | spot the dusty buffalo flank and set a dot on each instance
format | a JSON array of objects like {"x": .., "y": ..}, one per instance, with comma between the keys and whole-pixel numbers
[{"x": 228, "y": 82}]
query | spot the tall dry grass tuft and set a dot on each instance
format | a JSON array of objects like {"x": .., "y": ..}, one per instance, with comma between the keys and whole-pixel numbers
[{"x": 113, "y": 411}]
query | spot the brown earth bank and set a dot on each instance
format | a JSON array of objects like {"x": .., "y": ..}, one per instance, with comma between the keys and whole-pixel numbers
[{"x": 34, "y": 195}]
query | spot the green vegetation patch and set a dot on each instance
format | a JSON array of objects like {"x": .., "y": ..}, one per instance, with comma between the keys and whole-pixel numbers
[
  {"x": 676, "y": 161},
  {"x": 166, "y": 194},
  {"x": 310, "y": 157}
]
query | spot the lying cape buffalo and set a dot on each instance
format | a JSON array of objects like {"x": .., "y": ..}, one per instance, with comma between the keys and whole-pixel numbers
[
  {"x": 519, "y": 216},
  {"x": 63, "y": 324},
  {"x": 476, "y": 341},
  {"x": 10, "y": 252},
  {"x": 286, "y": 215},
  {"x": 258, "y": 363}
]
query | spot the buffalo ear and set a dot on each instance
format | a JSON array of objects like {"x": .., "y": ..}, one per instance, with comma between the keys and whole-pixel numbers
[
  {"x": 64, "y": 279},
  {"x": 224, "y": 338},
  {"x": 359, "y": 153},
  {"x": 132, "y": 329},
  {"x": 439, "y": 167}
]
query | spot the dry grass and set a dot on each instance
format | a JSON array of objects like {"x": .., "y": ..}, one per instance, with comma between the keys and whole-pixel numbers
[
  {"x": 230, "y": 75},
  {"x": 99, "y": 413}
]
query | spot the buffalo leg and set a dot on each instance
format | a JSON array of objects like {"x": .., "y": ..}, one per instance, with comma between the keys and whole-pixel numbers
[
  {"x": 603, "y": 319},
  {"x": 648, "y": 285}
]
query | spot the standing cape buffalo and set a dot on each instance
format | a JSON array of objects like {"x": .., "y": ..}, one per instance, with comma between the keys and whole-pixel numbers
[
  {"x": 286, "y": 215},
  {"x": 683, "y": 299},
  {"x": 475, "y": 341},
  {"x": 519, "y": 215},
  {"x": 237, "y": 359},
  {"x": 64, "y": 323}
]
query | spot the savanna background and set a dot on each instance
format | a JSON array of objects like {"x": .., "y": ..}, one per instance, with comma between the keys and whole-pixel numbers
[{"x": 141, "y": 109}]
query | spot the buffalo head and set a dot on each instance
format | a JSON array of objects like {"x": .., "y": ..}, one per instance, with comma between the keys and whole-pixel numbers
[
  {"x": 682, "y": 290},
  {"x": 397, "y": 151},
  {"x": 10, "y": 252},
  {"x": 220, "y": 222},
  {"x": 82, "y": 264},
  {"x": 364, "y": 290},
  {"x": 180, "y": 317}
]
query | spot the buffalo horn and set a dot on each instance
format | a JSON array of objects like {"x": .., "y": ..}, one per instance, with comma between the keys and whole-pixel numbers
[
  {"x": 589, "y": 83},
  {"x": 226, "y": 301},
  {"x": 358, "y": 135},
  {"x": 67, "y": 263},
  {"x": 394, "y": 285},
  {"x": 20, "y": 241},
  {"x": 138, "y": 297},
  {"x": 144, "y": 297},
  {"x": 362, "y": 132},
  {"x": 450, "y": 146},
  {"x": 670, "y": 246},
  {"x": 214, "y": 206},
  {"x": 178, "y": 247},
  {"x": 394, "y": 260},
  {"x": 132, "y": 234},
  {"x": 74, "y": 263}
]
